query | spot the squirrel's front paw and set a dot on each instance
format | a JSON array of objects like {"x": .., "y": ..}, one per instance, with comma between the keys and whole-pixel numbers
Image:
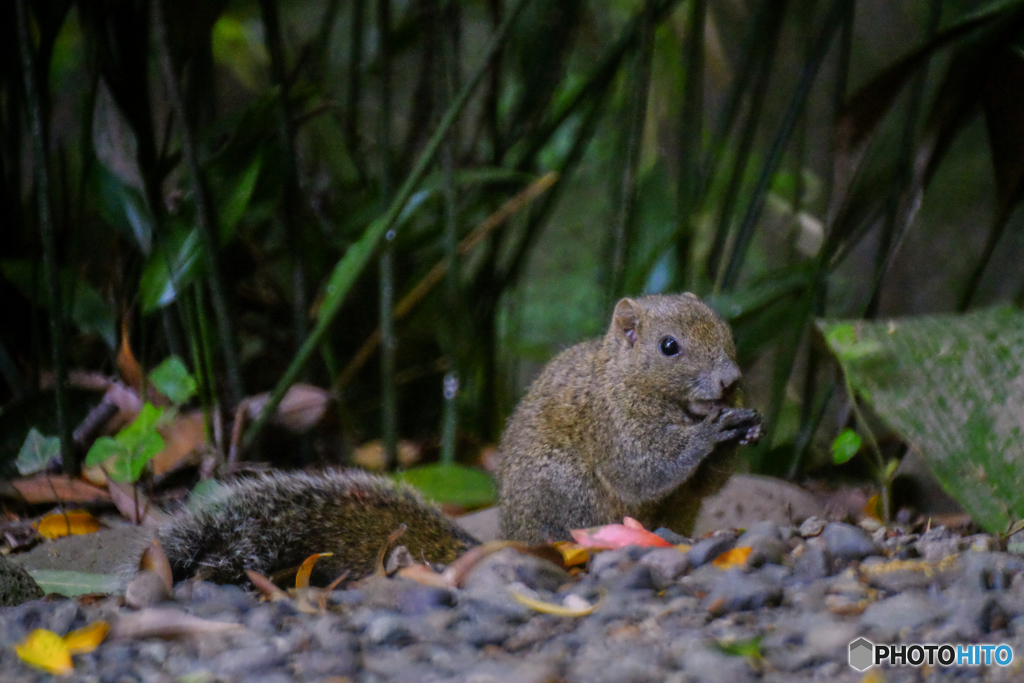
[{"x": 742, "y": 424}]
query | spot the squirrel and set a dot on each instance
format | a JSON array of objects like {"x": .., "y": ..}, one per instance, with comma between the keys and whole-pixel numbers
[{"x": 617, "y": 426}]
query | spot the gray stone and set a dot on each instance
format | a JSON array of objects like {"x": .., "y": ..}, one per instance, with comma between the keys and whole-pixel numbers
[
  {"x": 748, "y": 499},
  {"x": 708, "y": 549},
  {"x": 506, "y": 566},
  {"x": 245, "y": 660},
  {"x": 387, "y": 629},
  {"x": 737, "y": 592},
  {"x": 909, "y": 610},
  {"x": 16, "y": 586},
  {"x": 847, "y": 543},
  {"x": 666, "y": 564}
]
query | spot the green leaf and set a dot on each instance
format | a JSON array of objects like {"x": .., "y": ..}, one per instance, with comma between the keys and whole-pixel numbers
[
  {"x": 37, "y": 452},
  {"x": 172, "y": 379},
  {"x": 237, "y": 200},
  {"x": 75, "y": 583},
  {"x": 126, "y": 454},
  {"x": 451, "y": 484},
  {"x": 123, "y": 207},
  {"x": 952, "y": 386},
  {"x": 156, "y": 286},
  {"x": 845, "y": 446},
  {"x": 845, "y": 343},
  {"x": 202, "y": 493}
]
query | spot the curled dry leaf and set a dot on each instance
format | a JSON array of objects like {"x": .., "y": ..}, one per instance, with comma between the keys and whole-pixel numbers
[
  {"x": 306, "y": 568},
  {"x": 154, "y": 559},
  {"x": 165, "y": 622},
  {"x": 265, "y": 586},
  {"x": 72, "y": 523},
  {"x": 630, "y": 532},
  {"x": 573, "y": 609}
]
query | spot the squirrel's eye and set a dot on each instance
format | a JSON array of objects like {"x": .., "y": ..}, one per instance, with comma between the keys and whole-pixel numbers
[{"x": 669, "y": 346}]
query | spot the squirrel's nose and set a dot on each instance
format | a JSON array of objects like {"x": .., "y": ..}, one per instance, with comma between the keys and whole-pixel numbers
[{"x": 718, "y": 381}]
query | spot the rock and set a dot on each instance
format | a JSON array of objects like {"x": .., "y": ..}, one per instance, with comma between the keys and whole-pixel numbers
[
  {"x": 506, "y": 566},
  {"x": 938, "y": 543},
  {"x": 705, "y": 665},
  {"x": 666, "y": 565},
  {"x": 766, "y": 541},
  {"x": 708, "y": 549},
  {"x": 812, "y": 526},
  {"x": 747, "y": 499},
  {"x": 245, "y": 660},
  {"x": 910, "y": 610},
  {"x": 16, "y": 585},
  {"x": 737, "y": 592},
  {"x": 145, "y": 590},
  {"x": 811, "y": 560},
  {"x": 847, "y": 543},
  {"x": 387, "y": 629},
  {"x": 484, "y": 525}
]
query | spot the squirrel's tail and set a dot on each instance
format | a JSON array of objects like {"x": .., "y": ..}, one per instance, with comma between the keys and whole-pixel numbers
[{"x": 275, "y": 521}]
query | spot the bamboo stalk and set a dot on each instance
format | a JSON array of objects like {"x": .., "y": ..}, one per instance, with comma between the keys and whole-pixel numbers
[
  {"x": 437, "y": 273},
  {"x": 46, "y": 232},
  {"x": 205, "y": 216}
]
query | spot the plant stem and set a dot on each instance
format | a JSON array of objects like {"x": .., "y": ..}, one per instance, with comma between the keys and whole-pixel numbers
[
  {"x": 355, "y": 259},
  {"x": 69, "y": 458},
  {"x": 206, "y": 220}
]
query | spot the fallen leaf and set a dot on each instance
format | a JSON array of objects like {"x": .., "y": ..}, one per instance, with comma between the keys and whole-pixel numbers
[
  {"x": 131, "y": 371},
  {"x": 154, "y": 559},
  {"x": 88, "y": 638},
  {"x": 306, "y": 568},
  {"x": 573, "y": 554},
  {"x": 630, "y": 532},
  {"x": 736, "y": 557},
  {"x": 371, "y": 454},
  {"x": 556, "y": 610},
  {"x": 45, "y": 650},
  {"x": 72, "y": 523},
  {"x": 185, "y": 436},
  {"x": 873, "y": 508},
  {"x": 265, "y": 586},
  {"x": 57, "y": 488},
  {"x": 165, "y": 622}
]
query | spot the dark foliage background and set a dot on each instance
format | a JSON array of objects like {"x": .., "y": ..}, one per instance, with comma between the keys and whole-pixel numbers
[{"x": 254, "y": 186}]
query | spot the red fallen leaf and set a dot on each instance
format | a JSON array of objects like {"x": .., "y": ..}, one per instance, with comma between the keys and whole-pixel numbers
[{"x": 630, "y": 532}]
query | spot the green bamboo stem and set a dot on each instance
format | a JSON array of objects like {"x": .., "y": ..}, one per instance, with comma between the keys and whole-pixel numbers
[
  {"x": 46, "y": 232},
  {"x": 205, "y": 216},
  {"x": 355, "y": 259}
]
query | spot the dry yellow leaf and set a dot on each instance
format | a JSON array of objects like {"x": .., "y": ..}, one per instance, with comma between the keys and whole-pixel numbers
[
  {"x": 73, "y": 523},
  {"x": 737, "y": 557},
  {"x": 573, "y": 554},
  {"x": 87, "y": 639},
  {"x": 45, "y": 650},
  {"x": 873, "y": 508},
  {"x": 306, "y": 568},
  {"x": 549, "y": 608}
]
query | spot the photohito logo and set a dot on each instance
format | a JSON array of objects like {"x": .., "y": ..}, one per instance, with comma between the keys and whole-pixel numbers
[{"x": 865, "y": 654}]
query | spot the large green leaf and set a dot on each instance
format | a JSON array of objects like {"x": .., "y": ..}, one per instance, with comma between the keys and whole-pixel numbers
[
  {"x": 75, "y": 583},
  {"x": 953, "y": 387},
  {"x": 451, "y": 484}
]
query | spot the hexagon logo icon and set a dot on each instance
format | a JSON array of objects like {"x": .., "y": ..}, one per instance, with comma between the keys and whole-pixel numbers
[{"x": 862, "y": 654}]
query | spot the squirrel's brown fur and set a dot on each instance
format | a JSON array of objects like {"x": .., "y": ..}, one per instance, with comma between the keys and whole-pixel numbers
[
  {"x": 616, "y": 427},
  {"x": 275, "y": 521},
  {"x": 612, "y": 427}
]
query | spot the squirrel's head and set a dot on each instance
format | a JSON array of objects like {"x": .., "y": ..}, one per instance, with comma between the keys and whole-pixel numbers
[{"x": 676, "y": 347}]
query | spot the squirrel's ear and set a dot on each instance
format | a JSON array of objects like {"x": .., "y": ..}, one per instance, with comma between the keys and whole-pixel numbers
[{"x": 625, "y": 320}]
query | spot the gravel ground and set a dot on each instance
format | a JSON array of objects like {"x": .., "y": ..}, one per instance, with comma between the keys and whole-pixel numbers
[{"x": 788, "y": 614}]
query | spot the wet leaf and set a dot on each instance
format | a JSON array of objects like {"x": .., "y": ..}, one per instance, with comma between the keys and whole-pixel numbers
[
  {"x": 37, "y": 452},
  {"x": 573, "y": 554},
  {"x": 126, "y": 454},
  {"x": 73, "y": 523}
]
